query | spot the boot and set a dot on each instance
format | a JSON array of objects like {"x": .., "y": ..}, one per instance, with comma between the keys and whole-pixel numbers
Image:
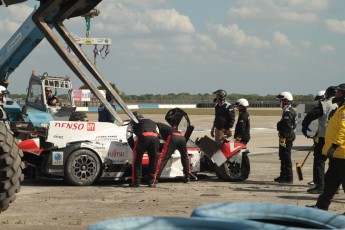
[
  {"x": 134, "y": 185},
  {"x": 316, "y": 190},
  {"x": 186, "y": 179},
  {"x": 284, "y": 180},
  {"x": 278, "y": 178}
]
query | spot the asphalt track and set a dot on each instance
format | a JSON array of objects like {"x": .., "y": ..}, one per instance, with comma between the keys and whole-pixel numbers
[{"x": 51, "y": 204}]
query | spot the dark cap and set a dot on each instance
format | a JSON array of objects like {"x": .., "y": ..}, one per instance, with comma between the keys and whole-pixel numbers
[{"x": 339, "y": 87}]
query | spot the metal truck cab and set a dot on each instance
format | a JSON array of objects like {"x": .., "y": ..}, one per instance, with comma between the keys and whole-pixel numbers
[{"x": 38, "y": 111}]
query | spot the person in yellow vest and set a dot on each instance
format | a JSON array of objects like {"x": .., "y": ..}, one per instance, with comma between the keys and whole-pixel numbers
[{"x": 334, "y": 149}]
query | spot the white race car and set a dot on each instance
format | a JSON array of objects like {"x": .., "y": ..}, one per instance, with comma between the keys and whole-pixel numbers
[{"x": 84, "y": 152}]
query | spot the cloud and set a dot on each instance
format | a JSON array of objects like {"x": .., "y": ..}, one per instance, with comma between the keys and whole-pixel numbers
[
  {"x": 336, "y": 26},
  {"x": 169, "y": 20},
  {"x": 131, "y": 21},
  {"x": 309, "y": 4},
  {"x": 206, "y": 42},
  {"x": 327, "y": 48},
  {"x": 244, "y": 11},
  {"x": 280, "y": 39},
  {"x": 15, "y": 16},
  {"x": 238, "y": 36},
  {"x": 306, "y": 44},
  {"x": 298, "y": 17},
  {"x": 288, "y": 10}
]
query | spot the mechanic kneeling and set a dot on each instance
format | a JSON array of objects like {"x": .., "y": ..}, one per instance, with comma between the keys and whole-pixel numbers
[{"x": 146, "y": 134}]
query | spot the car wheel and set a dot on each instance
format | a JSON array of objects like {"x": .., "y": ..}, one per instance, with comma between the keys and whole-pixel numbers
[
  {"x": 82, "y": 168},
  {"x": 234, "y": 172},
  {"x": 11, "y": 167}
]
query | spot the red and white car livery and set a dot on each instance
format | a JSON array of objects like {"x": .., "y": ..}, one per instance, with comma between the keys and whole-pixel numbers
[{"x": 84, "y": 152}]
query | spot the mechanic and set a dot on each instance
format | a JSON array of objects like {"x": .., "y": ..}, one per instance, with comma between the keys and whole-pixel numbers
[
  {"x": 174, "y": 140},
  {"x": 51, "y": 99},
  {"x": 320, "y": 112},
  {"x": 145, "y": 140},
  {"x": 224, "y": 117},
  {"x": 242, "y": 129},
  {"x": 286, "y": 132},
  {"x": 334, "y": 149},
  {"x": 103, "y": 114}
]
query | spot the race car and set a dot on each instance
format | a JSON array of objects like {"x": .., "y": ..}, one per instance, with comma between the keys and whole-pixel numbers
[{"x": 85, "y": 152}]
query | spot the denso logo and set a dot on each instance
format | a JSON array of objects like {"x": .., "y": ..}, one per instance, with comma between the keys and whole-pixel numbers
[{"x": 73, "y": 126}]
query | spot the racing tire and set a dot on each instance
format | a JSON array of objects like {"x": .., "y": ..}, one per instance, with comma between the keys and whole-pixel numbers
[
  {"x": 234, "y": 172},
  {"x": 83, "y": 167},
  {"x": 11, "y": 167}
]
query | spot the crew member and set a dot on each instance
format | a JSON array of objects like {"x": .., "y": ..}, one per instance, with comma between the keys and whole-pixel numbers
[
  {"x": 224, "y": 117},
  {"x": 286, "y": 132},
  {"x": 174, "y": 140},
  {"x": 334, "y": 149},
  {"x": 320, "y": 112},
  {"x": 103, "y": 114},
  {"x": 242, "y": 129},
  {"x": 51, "y": 99},
  {"x": 146, "y": 140}
]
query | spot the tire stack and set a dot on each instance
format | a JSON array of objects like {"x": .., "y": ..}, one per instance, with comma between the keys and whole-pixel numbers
[{"x": 11, "y": 166}]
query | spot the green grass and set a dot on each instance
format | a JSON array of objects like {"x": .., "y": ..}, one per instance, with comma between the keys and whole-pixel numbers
[{"x": 210, "y": 111}]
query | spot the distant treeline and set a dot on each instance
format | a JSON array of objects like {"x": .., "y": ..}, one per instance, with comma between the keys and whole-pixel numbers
[{"x": 201, "y": 100}]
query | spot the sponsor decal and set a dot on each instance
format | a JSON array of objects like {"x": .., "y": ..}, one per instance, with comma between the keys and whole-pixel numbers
[
  {"x": 106, "y": 138},
  {"x": 99, "y": 147},
  {"x": 21, "y": 125},
  {"x": 91, "y": 126},
  {"x": 116, "y": 154},
  {"x": 57, "y": 158},
  {"x": 14, "y": 42},
  {"x": 58, "y": 136},
  {"x": 72, "y": 126}
]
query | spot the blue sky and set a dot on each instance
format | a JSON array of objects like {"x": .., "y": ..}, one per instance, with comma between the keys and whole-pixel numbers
[{"x": 199, "y": 46}]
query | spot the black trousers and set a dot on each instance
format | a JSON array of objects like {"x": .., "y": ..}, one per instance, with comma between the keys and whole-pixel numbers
[
  {"x": 145, "y": 143},
  {"x": 334, "y": 177},
  {"x": 173, "y": 142},
  {"x": 319, "y": 163},
  {"x": 285, "y": 160}
]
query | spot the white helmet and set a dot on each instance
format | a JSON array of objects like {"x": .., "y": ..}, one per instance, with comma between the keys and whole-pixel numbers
[
  {"x": 320, "y": 96},
  {"x": 285, "y": 95},
  {"x": 3, "y": 94},
  {"x": 242, "y": 102}
]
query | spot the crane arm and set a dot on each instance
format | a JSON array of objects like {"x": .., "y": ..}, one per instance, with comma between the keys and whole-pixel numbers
[{"x": 18, "y": 47}]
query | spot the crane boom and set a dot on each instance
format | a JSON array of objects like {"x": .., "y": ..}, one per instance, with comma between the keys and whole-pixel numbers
[
  {"x": 51, "y": 14},
  {"x": 18, "y": 47}
]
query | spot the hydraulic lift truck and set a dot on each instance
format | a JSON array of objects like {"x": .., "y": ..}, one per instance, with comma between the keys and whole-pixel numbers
[{"x": 48, "y": 16}]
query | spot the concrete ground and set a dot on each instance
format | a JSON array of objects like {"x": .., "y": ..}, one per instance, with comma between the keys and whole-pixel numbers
[{"x": 56, "y": 205}]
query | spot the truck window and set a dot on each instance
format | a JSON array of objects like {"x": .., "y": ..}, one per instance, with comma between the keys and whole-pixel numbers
[{"x": 35, "y": 94}]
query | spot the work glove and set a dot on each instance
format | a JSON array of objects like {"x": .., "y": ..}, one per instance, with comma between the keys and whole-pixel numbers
[
  {"x": 212, "y": 132},
  {"x": 282, "y": 141},
  {"x": 305, "y": 131},
  {"x": 331, "y": 150}
]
